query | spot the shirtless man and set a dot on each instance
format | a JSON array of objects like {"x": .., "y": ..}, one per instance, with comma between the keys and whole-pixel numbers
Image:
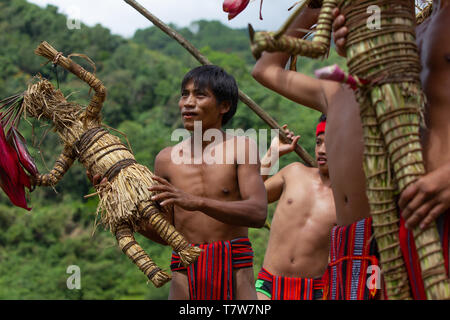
[
  {"x": 297, "y": 252},
  {"x": 345, "y": 155},
  {"x": 429, "y": 198},
  {"x": 213, "y": 204}
]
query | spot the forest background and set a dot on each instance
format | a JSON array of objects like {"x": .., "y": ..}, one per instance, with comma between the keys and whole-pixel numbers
[{"x": 142, "y": 75}]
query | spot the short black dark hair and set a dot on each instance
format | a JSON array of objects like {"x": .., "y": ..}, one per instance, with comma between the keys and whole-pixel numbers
[
  {"x": 323, "y": 118},
  {"x": 222, "y": 85}
]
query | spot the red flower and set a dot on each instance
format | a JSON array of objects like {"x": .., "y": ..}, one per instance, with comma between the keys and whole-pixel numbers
[
  {"x": 17, "y": 141},
  {"x": 13, "y": 178},
  {"x": 234, "y": 7}
]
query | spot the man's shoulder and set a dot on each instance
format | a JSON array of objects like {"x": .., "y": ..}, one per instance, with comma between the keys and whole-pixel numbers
[
  {"x": 294, "y": 169},
  {"x": 295, "y": 166},
  {"x": 164, "y": 154}
]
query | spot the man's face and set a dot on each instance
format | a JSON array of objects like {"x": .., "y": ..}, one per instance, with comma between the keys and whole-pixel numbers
[
  {"x": 321, "y": 154},
  {"x": 200, "y": 105}
]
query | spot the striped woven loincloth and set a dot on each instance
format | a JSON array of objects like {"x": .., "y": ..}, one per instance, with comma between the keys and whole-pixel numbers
[
  {"x": 411, "y": 258},
  {"x": 352, "y": 251},
  {"x": 211, "y": 276},
  {"x": 289, "y": 288}
]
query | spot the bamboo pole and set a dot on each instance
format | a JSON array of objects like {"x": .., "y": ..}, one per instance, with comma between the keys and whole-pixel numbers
[{"x": 309, "y": 161}]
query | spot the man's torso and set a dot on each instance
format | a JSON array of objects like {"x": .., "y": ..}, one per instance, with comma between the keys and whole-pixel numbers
[
  {"x": 213, "y": 181},
  {"x": 299, "y": 236},
  {"x": 344, "y": 141},
  {"x": 434, "y": 46}
]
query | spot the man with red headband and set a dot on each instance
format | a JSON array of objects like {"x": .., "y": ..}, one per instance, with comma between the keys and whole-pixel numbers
[
  {"x": 352, "y": 247},
  {"x": 297, "y": 253}
]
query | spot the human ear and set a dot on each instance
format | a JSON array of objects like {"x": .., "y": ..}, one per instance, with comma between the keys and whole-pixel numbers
[{"x": 225, "y": 106}]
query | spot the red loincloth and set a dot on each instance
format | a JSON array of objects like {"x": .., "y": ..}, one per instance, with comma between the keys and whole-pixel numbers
[
  {"x": 211, "y": 276},
  {"x": 352, "y": 251},
  {"x": 285, "y": 288}
]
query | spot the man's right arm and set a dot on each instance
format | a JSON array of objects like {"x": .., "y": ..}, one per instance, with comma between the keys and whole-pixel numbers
[{"x": 270, "y": 70}]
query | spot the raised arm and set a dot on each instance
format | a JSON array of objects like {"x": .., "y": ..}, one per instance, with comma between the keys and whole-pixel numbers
[
  {"x": 276, "y": 150},
  {"x": 274, "y": 185},
  {"x": 61, "y": 166},
  {"x": 93, "y": 109},
  {"x": 270, "y": 70}
]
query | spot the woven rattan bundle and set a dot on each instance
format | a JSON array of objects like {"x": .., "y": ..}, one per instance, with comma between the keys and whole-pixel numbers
[
  {"x": 125, "y": 203},
  {"x": 384, "y": 62}
]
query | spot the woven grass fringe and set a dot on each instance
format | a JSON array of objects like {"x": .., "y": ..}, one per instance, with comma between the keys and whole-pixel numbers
[
  {"x": 125, "y": 201},
  {"x": 120, "y": 197}
]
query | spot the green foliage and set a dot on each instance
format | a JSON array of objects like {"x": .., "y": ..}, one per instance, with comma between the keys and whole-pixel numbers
[{"x": 142, "y": 76}]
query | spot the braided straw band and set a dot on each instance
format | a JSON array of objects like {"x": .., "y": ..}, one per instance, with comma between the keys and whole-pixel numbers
[
  {"x": 115, "y": 169},
  {"x": 86, "y": 140}
]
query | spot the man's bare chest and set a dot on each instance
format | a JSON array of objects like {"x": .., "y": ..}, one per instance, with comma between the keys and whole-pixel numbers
[
  {"x": 433, "y": 42},
  {"x": 206, "y": 179}
]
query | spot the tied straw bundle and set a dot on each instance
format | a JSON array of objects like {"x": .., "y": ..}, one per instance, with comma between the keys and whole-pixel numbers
[
  {"x": 125, "y": 204},
  {"x": 386, "y": 66}
]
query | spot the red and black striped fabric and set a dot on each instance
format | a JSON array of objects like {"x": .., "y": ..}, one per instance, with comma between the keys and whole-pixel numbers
[
  {"x": 446, "y": 239},
  {"x": 352, "y": 251},
  {"x": 211, "y": 276},
  {"x": 412, "y": 262},
  {"x": 286, "y": 288},
  {"x": 409, "y": 252}
]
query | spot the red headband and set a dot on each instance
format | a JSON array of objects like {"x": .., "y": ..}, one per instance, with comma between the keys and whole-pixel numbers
[{"x": 321, "y": 127}]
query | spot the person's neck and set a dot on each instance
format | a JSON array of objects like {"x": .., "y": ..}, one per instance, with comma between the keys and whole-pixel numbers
[
  {"x": 205, "y": 143},
  {"x": 325, "y": 178}
]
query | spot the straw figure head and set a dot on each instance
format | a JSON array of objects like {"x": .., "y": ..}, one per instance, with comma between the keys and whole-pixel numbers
[{"x": 42, "y": 100}]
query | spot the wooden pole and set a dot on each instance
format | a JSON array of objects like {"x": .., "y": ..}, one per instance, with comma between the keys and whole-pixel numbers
[{"x": 308, "y": 160}]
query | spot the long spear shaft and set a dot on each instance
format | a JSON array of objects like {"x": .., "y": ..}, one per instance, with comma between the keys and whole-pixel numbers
[{"x": 303, "y": 154}]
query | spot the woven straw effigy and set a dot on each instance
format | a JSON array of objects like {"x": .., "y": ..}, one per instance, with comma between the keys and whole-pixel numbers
[
  {"x": 385, "y": 64},
  {"x": 125, "y": 204}
]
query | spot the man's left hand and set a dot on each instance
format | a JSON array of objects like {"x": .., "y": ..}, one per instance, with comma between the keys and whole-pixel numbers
[
  {"x": 169, "y": 195},
  {"x": 427, "y": 198}
]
